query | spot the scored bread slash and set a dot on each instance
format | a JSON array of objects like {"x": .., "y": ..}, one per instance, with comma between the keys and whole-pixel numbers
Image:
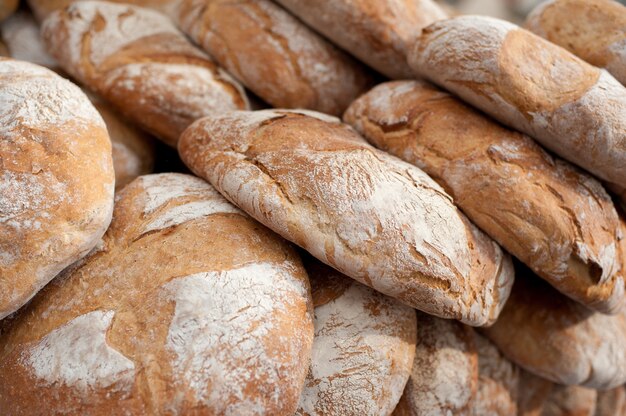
[{"x": 373, "y": 217}]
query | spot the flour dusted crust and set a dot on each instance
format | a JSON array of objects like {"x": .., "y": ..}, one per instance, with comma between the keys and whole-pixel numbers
[
  {"x": 571, "y": 401},
  {"x": 373, "y": 217},
  {"x": 274, "y": 54},
  {"x": 187, "y": 306},
  {"x": 594, "y": 30},
  {"x": 56, "y": 179},
  {"x": 550, "y": 215},
  {"x": 378, "y": 32},
  {"x": 444, "y": 378},
  {"x": 559, "y": 339},
  {"x": 363, "y": 348},
  {"x": 572, "y": 108},
  {"x": 138, "y": 61},
  {"x": 43, "y": 8}
]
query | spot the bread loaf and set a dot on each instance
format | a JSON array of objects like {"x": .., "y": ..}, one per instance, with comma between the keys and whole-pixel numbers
[
  {"x": 378, "y": 32},
  {"x": 363, "y": 348},
  {"x": 532, "y": 394},
  {"x": 569, "y": 106},
  {"x": 56, "y": 179},
  {"x": 611, "y": 402},
  {"x": 594, "y": 30},
  {"x": 7, "y": 7},
  {"x": 139, "y": 62},
  {"x": 556, "y": 219},
  {"x": 558, "y": 339},
  {"x": 571, "y": 401},
  {"x": 444, "y": 378},
  {"x": 187, "y": 306},
  {"x": 42, "y": 8},
  {"x": 274, "y": 54},
  {"x": 373, "y": 217}
]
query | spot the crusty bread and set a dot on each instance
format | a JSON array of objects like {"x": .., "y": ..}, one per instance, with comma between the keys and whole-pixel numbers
[
  {"x": 187, "y": 306},
  {"x": 139, "y": 62},
  {"x": 532, "y": 394},
  {"x": 7, "y": 7},
  {"x": 553, "y": 217},
  {"x": 42, "y": 8},
  {"x": 571, "y": 401},
  {"x": 572, "y": 108},
  {"x": 373, "y": 217},
  {"x": 594, "y": 30},
  {"x": 274, "y": 54},
  {"x": 611, "y": 402},
  {"x": 378, "y": 32},
  {"x": 444, "y": 378},
  {"x": 363, "y": 348},
  {"x": 559, "y": 339},
  {"x": 56, "y": 179}
]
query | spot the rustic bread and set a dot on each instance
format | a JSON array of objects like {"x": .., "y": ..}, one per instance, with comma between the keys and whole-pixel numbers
[
  {"x": 378, "y": 32},
  {"x": 444, "y": 378},
  {"x": 371, "y": 216},
  {"x": 594, "y": 30},
  {"x": 274, "y": 54},
  {"x": 611, "y": 402},
  {"x": 187, "y": 306},
  {"x": 532, "y": 394},
  {"x": 571, "y": 401},
  {"x": 559, "y": 339},
  {"x": 574, "y": 109},
  {"x": 42, "y": 8},
  {"x": 56, "y": 179},
  {"x": 363, "y": 348},
  {"x": 556, "y": 219},
  {"x": 139, "y": 62}
]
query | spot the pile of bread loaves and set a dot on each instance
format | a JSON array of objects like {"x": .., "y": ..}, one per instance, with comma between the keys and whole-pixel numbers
[{"x": 305, "y": 264}]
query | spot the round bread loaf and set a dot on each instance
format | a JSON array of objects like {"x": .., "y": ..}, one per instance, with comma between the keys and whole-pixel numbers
[
  {"x": 444, "y": 378},
  {"x": 371, "y": 216},
  {"x": 559, "y": 339},
  {"x": 363, "y": 348},
  {"x": 571, "y": 401},
  {"x": 187, "y": 306},
  {"x": 56, "y": 179}
]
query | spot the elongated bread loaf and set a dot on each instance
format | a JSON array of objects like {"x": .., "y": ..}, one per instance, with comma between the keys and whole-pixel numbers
[
  {"x": 139, "y": 62},
  {"x": 553, "y": 217},
  {"x": 558, "y": 339},
  {"x": 571, "y": 401},
  {"x": 363, "y": 348},
  {"x": 373, "y": 217},
  {"x": 378, "y": 32},
  {"x": 274, "y": 54},
  {"x": 594, "y": 30},
  {"x": 574, "y": 109},
  {"x": 187, "y": 306},
  {"x": 42, "y": 8},
  {"x": 56, "y": 179}
]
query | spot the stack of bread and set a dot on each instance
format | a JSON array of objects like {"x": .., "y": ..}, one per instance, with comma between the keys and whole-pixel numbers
[{"x": 290, "y": 207}]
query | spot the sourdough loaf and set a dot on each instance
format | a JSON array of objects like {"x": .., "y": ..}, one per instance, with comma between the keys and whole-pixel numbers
[
  {"x": 139, "y": 62},
  {"x": 373, "y": 217},
  {"x": 574, "y": 109},
  {"x": 56, "y": 179},
  {"x": 186, "y": 306},
  {"x": 553, "y": 217},
  {"x": 571, "y": 401}
]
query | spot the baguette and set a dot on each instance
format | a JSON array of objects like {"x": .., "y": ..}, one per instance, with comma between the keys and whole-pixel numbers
[
  {"x": 274, "y": 54},
  {"x": 371, "y": 216},
  {"x": 140, "y": 63},
  {"x": 553, "y": 217},
  {"x": 524, "y": 81},
  {"x": 187, "y": 306},
  {"x": 378, "y": 32},
  {"x": 594, "y": 30},
  {"x": 56, "y": 179},
  {"x": 571, "y": 401}
]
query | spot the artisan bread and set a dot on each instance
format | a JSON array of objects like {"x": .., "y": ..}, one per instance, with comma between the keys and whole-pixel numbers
[
  {"x": 444, "y": 379},
  {"x": 56, "y": 179},
  {"x": 274, "y": 54},
  {"x": 611, "y": 402},
  {"x": 594, "y": 30},
  {"x": 571, "y": 401},
  {"x": 42, "y": 8},
  {"x": 574, "y": 109},
  {"x": 377, "y": 219},
  {"x": 378, "y": 32},
  {"x": 363, "y": 348},
  {"x": 139, "y": 62},
  {"x": 187, "y": 306},
  {"x": 532, "y": 394},
  {"x": 559, "y": 339},
  {"x": 553, "y": 217}
]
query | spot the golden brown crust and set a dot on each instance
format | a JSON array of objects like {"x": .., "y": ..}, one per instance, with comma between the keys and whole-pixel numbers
[
  {"x": 547, "y": 213},
  {"x": 187, "y": 306},
  {"x": 56, "y": 179},
  {"x": 274, "y": 54},
  {"x": 139, "y": 62},
  {"x": 570, "y": 401}
]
